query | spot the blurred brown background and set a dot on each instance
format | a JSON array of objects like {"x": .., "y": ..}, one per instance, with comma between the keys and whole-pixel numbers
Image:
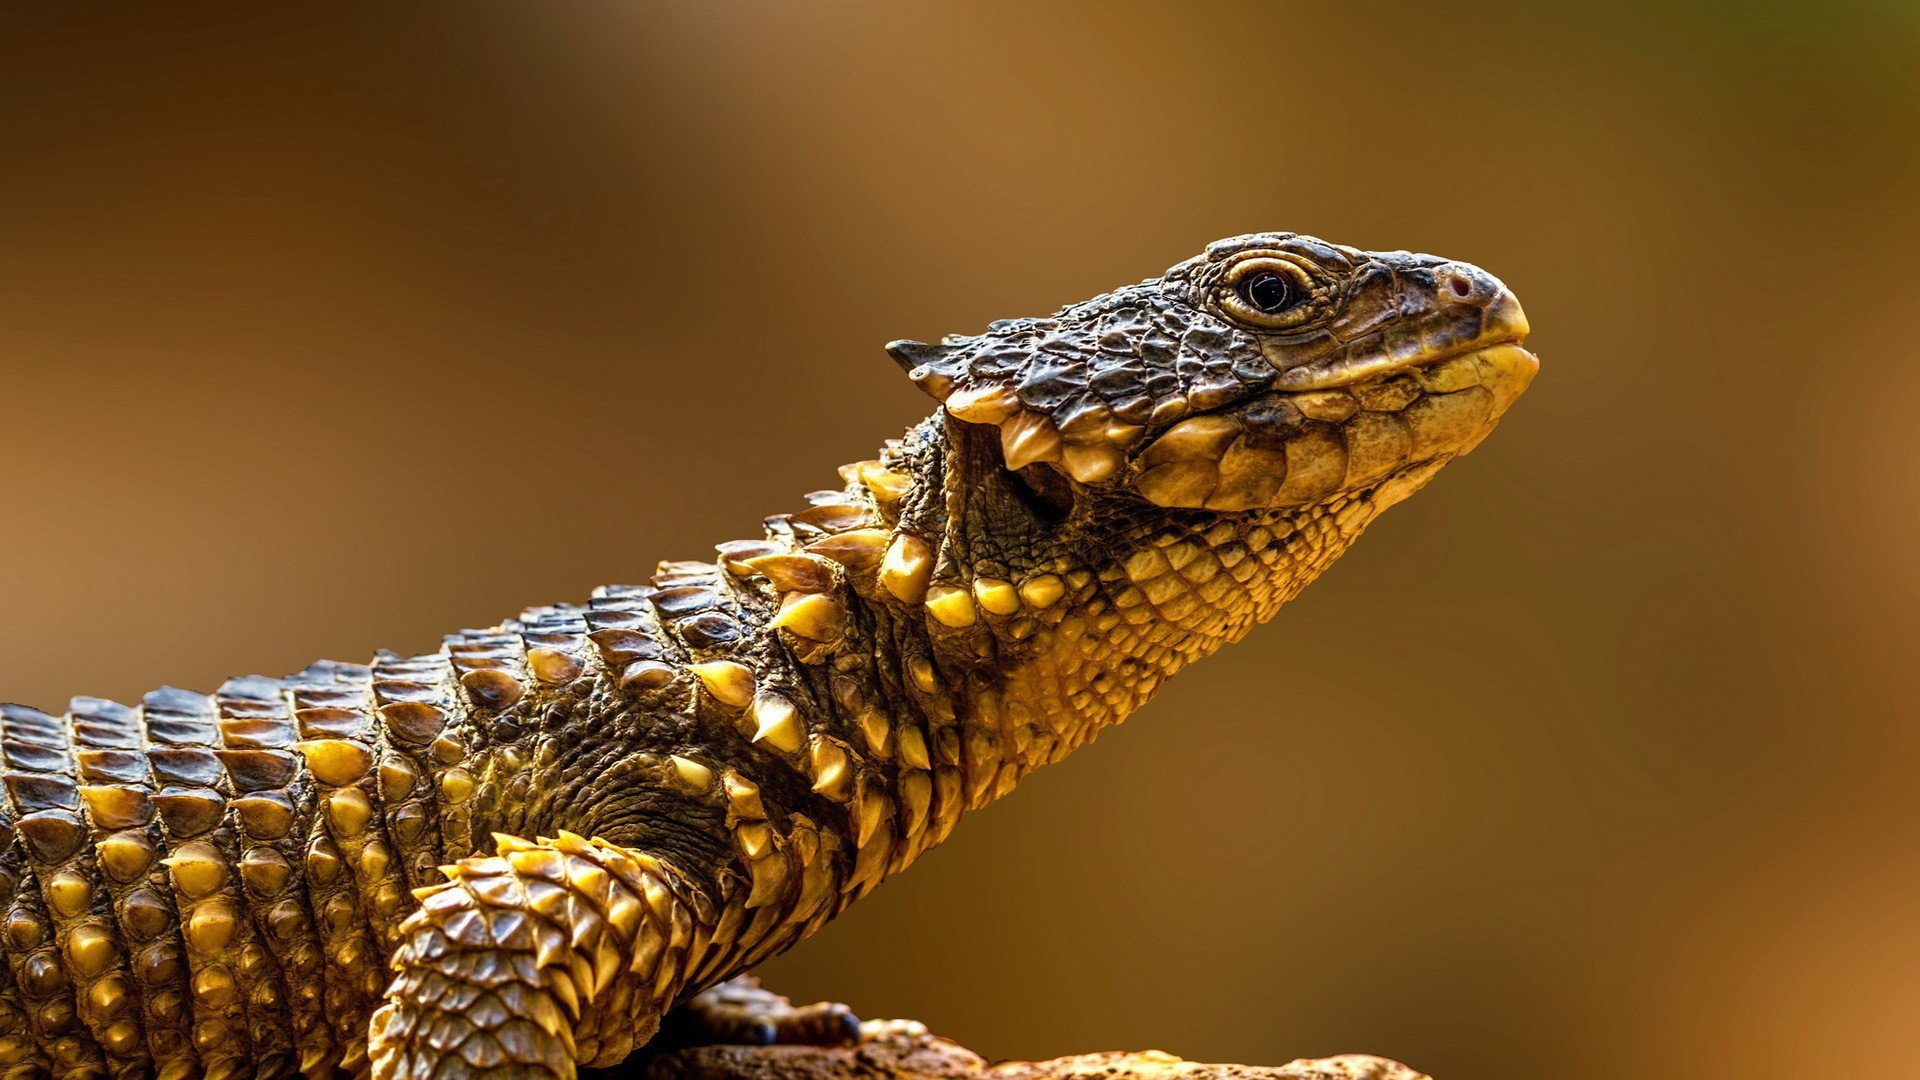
[{"x": 323, "y": 331}]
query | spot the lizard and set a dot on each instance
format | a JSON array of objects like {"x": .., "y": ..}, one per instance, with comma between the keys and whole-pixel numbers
[{"x": 526, "y": 852}]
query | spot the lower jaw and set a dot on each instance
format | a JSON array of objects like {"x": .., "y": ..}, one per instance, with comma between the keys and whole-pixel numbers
[
  {"x": 1376, "y": 436},
  {"x": 1507, "y": 371}
]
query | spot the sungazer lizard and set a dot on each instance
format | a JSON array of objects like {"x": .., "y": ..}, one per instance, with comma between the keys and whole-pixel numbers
[{"x": 520, "y": 853}]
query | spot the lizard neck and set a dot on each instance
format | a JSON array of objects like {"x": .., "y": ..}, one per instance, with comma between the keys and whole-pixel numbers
[
  {"x": 1012, "y": 618},
  {"x": 884, "y": 660},
  {"x": 1128, "y": 622}
]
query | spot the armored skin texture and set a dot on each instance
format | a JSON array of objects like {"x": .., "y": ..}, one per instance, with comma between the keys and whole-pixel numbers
[{"x": 518, "y": 854}]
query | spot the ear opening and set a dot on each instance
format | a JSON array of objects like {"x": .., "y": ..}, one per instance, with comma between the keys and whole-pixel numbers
[{"x": 982, "y": 472}]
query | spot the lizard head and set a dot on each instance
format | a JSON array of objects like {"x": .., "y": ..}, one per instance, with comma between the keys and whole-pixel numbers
[
  {"x": 1274, "y": 370},
  {"x": 1118, "y": 489}
]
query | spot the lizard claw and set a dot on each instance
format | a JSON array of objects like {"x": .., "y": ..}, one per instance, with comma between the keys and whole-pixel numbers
[{"x": 742, "y": 1012}]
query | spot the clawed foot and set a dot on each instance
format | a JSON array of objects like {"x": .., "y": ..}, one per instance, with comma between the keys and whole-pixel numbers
[{"x": 742, "y": 1012}]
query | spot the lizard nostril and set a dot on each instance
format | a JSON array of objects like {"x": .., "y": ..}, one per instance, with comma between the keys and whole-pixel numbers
[{"x": 1461, "y": 287}]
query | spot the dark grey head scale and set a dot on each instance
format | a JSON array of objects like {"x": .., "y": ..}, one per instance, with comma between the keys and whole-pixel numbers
[{"x": 1243, "y": 326}]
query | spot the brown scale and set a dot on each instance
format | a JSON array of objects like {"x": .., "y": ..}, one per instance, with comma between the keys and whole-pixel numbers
[
  {"x": 57, "y": 1041},
  {"x": 871, "y": 762},
  {"x": 145, "y": 954},
  {"x": 561, "y": 666},
  {"x": 330, "y": 712},
  {"x": 848, "y": 760},
  {"x": 78, "y": 1035},
  {"x": 706, "y": 613},
  {"x": 645, "y": 636},
  {"x": 341, "y": 741},
  {"x": 627, "y": 635},
  {"x": 270, "y": 809},
  {"x": 414, "y": 698},
  {"x": 33, "y": 744},
  {"x": 236, "y": 988},
  {"x": 696, "y": 608},
  {"x": 21, "y": 1057},
  {"x": 491, "y": 668},
  {"x": 799, "y": 872}
]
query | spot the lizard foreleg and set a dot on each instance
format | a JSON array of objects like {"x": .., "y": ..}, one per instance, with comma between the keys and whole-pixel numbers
[{"x": 549, "y": 955}]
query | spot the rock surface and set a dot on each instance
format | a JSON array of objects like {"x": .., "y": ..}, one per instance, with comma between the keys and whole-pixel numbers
[{"x": 903, "y": 1050}]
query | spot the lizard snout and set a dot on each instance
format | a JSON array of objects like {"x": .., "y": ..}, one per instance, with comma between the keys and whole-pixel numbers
[{"x": 1461, "y": 284}]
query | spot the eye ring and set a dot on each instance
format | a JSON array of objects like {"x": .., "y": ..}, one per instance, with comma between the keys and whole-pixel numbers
[{"x": 1272, "y": 292}]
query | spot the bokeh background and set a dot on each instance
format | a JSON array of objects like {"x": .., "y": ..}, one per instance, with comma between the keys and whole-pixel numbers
[{"x": 327, "y": 329}]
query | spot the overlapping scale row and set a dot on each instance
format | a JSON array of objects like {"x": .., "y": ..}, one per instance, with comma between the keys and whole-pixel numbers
[
  {"x": 139, "y": 966},
  {"x": 54, "y": 1041},
  {"x": 794, "y": 887},
  {"x": 626, "y": 633},
  {"x": 555, "y": 639},
  {"x": 49, "y": 840},
  {"x": 863, "y": 748},
  {"x": 414, "y": 698},
  {"x": 235, "y": 986},
  {"x": 270, "y": 807},
  {"x": 21, "y": 1054},
  {"x": 557, "y": 660},
  {"x": 702, "y": 631},
  {"x": 490, "y": 667},
  {"x": 896, "y": 715},
  {"x": 355, "y": 891},
  {"x": 693, "y": 604}
]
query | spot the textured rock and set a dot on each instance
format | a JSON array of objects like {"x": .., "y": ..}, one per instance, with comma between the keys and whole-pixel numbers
[{"x": 904, "y": 1051}]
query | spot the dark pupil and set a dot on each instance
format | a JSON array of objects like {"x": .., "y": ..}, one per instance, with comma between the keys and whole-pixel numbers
[{"x": 1269, "y": 292}]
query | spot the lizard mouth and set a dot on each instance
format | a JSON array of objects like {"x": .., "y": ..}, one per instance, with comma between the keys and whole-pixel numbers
[
  {"x": 1347, "y": 427},
  {"x": 1380, "y": 366}
]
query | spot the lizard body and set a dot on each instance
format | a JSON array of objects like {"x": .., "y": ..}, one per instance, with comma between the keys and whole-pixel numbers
[{"x": 518, "y": 854}]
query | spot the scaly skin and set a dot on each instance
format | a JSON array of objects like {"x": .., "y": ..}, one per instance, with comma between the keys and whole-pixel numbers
[{"x": 382, "y": 868}]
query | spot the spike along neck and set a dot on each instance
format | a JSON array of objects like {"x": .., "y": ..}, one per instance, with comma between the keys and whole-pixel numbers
[{"x": 1053, "y": 610}]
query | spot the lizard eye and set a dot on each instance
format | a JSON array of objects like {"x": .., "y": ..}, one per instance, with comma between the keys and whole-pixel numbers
[
  {"x": 1268, "y": 292},
  {"x": 1273, "y": 291}
]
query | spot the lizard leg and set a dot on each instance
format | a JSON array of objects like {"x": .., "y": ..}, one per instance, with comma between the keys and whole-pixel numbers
[
  {"x": 550, "y": 955},
  {"x": 741, "y": 1011}
]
